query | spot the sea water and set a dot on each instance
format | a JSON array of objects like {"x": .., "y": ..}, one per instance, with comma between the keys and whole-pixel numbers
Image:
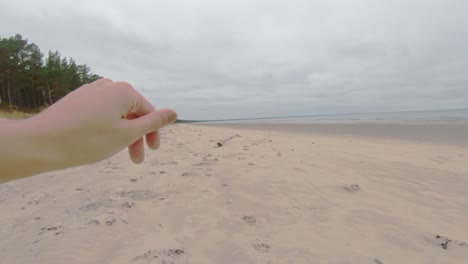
[{"x": 455, "y": 116}]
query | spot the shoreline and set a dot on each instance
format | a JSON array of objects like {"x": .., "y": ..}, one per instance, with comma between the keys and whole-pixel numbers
[{"x": 447, "y": 134}]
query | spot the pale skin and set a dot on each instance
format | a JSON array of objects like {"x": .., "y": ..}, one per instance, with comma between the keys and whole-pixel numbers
[{"x": 90, "y": 124}]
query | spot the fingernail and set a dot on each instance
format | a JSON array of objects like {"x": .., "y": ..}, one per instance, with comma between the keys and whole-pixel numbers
[{"x": 170, "y": 115}]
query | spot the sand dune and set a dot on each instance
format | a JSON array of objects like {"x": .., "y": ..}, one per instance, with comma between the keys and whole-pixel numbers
[{"x": 264, "y": 196}]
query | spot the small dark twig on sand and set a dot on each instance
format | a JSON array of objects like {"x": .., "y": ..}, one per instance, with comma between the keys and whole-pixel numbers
[{"x": 224, "y": 141}]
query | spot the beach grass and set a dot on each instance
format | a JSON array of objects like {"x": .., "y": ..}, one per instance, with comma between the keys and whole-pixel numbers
[{"x": 14, "y": 115}]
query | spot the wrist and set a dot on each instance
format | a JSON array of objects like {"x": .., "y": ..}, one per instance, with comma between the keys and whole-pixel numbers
[{"x": 26, "y": 149}]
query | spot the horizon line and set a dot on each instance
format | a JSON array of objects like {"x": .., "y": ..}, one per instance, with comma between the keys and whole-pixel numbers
[{"x": 311, "y": 115}]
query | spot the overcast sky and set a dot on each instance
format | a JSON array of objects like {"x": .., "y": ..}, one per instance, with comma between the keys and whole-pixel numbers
[{"x": 228, "y": 59}]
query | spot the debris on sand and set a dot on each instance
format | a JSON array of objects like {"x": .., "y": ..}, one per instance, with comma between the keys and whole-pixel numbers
[{"x": 444, "y": 242}]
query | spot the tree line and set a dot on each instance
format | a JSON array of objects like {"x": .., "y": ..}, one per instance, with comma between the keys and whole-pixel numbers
[{"x": 30, "y": 83}]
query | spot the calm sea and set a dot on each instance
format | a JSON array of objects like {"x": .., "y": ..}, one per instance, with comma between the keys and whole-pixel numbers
[{"x": 459, "y": 116}]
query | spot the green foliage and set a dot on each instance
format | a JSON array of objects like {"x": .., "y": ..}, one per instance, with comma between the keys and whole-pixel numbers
[
  {"x": 28, "y": 82},
  {"x": 187, "y": 121}
]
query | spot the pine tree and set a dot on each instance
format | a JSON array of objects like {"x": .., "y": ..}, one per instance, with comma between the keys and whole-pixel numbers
[{"x": 29, "y": 83}]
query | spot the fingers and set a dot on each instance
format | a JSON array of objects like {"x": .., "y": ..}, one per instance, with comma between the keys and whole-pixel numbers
[
  {"x": 145, "y": 107},
  {"x": 143, "y": 119},
  {"x": 156, "y": 120},
  {"x": 152, "y": 140},
  {"x": 137, "y": 151},
  {"x": 136, "y": 127},
  {"x": 149, "y": 123}
]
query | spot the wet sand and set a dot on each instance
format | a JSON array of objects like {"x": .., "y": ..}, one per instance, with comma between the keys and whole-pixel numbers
[
  {"x": 261, "y": 195},
  {"x": 453, "y": 134}
]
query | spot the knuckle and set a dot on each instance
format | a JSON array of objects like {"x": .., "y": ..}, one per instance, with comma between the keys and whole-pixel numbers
[
  {"x": 164, "y": 120},
  {"x": 125, "y": 88},
  {"x": 106, "y": 80},
  {"x": 124, "y": 85}
]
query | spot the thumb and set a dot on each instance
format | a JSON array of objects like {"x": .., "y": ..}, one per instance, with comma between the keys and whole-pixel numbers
[{"x": 153, "y": 121}]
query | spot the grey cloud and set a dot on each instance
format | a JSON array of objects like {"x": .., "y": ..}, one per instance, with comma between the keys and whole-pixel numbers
[{"x": 213, "y": 59}]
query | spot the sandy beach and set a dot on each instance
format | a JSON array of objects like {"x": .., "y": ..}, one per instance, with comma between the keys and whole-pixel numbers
[{"x": 266, "y": 195}]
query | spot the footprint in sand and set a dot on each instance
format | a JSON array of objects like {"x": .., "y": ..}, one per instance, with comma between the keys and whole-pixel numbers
[
  {"x": 159, "y": 256},
  {"x": 188, "y": 174},
  {"x": 94, "y": 222},
  {"x": 135, "y": 195},
  {"x": 127, "y": 204},
  {"x": 440, "y": 159},
  {"x": 262, "y": 141},
  {"x": 170, "y": 163},
  {"x": 38, "y": 198},
  {"x": 202, "y": 164},
  {"x": 105, "y": 202},
  {"x": 352, "y": 188},
  {"x": 249, "y": 219},
  {"x": 56, "y": 229},
  {"x": 140, "y": 195},
  {"x": 109, "y": 219},
  {"x": 262, "y": 247}
]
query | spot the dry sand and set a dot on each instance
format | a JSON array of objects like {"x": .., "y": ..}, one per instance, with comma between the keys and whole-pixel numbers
[{"x": 263, "y": 197}]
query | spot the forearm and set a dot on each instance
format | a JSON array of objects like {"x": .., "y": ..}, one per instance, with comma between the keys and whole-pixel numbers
[
  {"x": 90, "y": 124},
  {"x": 25, "y": 150}
]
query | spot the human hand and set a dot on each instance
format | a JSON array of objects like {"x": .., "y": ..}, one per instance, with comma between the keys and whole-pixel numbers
[{"x": 97, "y": 121}]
